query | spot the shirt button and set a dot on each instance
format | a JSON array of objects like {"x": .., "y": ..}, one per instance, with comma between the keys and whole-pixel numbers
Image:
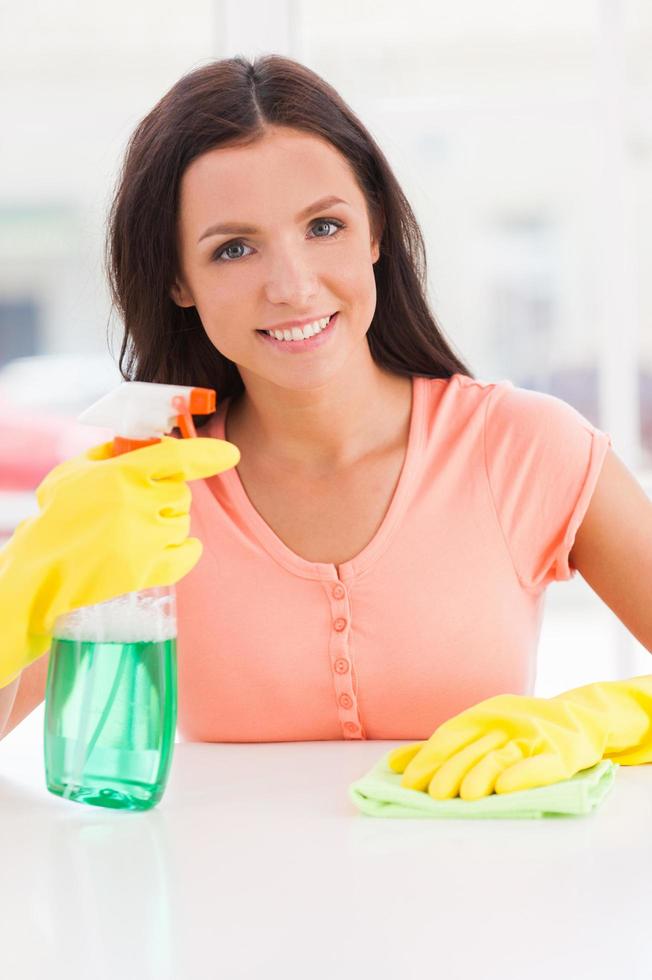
[
  {"x": 339, "y": 625},
  {"x": 350, "y": 726},
  {"x": 338, "y": 592},
  {"x": 346, "y": 701},
  {"x": 341, "y": 666}
]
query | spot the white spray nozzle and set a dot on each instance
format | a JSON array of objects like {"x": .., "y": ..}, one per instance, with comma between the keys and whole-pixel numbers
[{"x": 145, "y": 409}]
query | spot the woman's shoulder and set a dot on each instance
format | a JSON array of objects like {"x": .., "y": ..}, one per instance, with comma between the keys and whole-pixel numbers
[
  {"x": 459, "y": 392},
  {"x": 463, "y": 382},
  {"x": 500, "y": 391},
  {"x": 507, "y": 405}
]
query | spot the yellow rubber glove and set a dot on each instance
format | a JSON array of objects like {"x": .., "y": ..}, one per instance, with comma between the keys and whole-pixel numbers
[
  {"x": 512, "y": 742},
  {"x": 107, "y": 525}
]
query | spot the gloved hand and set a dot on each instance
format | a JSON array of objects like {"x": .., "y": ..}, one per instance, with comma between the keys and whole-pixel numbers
[
  {"x": 107, "y": 525},
  {"x": 511, "y": 742}
]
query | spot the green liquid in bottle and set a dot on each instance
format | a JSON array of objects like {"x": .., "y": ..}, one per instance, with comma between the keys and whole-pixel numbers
[{"x": 110, "y": 721}]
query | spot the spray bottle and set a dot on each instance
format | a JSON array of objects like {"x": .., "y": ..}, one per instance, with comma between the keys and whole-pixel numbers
[{"x": 111, "y": 692}]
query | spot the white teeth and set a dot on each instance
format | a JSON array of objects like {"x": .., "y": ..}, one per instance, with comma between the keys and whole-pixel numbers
[{"x": 297, "y": 333}]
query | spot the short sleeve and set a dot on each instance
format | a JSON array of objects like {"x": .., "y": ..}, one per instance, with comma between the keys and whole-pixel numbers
[{"x": 543, "y": 460}]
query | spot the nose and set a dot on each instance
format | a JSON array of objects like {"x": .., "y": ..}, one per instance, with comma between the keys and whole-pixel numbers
[{"x": 291, "y": 280}]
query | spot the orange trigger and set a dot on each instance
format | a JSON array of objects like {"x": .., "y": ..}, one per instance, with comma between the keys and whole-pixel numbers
[{"x": 184, "y": 419}]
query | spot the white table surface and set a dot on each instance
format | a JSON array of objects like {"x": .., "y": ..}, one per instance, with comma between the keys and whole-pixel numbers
[{"x": 256, "y": 864}]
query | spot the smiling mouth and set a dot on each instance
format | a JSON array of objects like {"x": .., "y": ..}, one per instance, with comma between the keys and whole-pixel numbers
[
  {"x": 284, "y": 330},
  {"x": 297, "y": 346}
]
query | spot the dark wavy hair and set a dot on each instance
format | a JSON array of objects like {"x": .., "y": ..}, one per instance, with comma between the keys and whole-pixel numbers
[{"x": 231, "y": 102}]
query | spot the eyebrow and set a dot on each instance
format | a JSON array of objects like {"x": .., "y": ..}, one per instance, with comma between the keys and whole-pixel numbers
[{"x": 231, "y": 228}]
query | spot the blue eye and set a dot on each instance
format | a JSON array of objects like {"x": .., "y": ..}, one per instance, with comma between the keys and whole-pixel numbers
[
  {"x": 224, "y": 249},
  {"x": 328, "y": 221},
  {"x": 221, "y": 254}
]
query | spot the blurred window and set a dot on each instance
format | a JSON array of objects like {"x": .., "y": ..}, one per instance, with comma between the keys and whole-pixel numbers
[{"x": 19, "y": 328}]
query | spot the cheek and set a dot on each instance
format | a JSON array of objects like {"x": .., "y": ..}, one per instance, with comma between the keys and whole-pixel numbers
[
  {"x": 358, "y": 287},
  {"x": 352, "y": 277},
  {"x": 226, "y": 320}
]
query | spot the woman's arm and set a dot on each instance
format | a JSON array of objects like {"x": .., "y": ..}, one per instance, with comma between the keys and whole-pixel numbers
[
  {"x": 24, "y": 694},
  {"x": 613, "y": 547},
  {"x": 7, "y": 698}
]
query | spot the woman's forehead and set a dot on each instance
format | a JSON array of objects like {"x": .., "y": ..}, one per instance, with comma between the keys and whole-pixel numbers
[
  {"x": 276, "y": 144},
  {"x": 275, "y": 175}
]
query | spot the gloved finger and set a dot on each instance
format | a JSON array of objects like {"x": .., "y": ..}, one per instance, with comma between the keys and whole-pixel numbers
[
  {"x": 444, "y": 743},
  {"x": 173, "y": 459},
  {"x": 103, "y": 451},
  {"x": 481, "y": 779},
  {"x": 164, "y": 460},
  {"x": 398, "y": 758},
  {"x": 183, "y": 459},
  {"x": 172, "y": 499},
  {"x": 175, "y": 562},
  {"x": 172, "y": 530},
  {"x": 537, "y": 770},
  {"x": 447, "y": 780}
]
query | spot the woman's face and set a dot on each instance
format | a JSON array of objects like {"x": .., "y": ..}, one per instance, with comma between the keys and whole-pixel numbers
[{"x": 295, "y": 261}]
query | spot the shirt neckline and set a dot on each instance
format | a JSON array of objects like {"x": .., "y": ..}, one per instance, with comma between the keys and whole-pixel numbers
[{"x": 361, "y": 562}]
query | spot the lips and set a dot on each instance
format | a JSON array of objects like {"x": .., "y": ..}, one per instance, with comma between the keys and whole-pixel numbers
[
  {"x": 302, "y": 324},
  {"x": 297, "y": 346}
]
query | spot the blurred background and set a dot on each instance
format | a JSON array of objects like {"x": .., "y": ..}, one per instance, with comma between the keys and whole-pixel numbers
[{"x": 520, "y": 131}]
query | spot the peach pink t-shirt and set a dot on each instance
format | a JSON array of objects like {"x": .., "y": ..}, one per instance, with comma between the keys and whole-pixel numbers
[{"x": 440, "y": 610}]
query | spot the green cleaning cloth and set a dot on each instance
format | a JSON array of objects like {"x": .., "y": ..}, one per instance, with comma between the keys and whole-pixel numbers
[{"x": 380, "y": 794}]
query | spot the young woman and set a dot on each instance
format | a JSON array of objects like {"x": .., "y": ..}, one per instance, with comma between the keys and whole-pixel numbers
[{"x": 377, "y": 561}]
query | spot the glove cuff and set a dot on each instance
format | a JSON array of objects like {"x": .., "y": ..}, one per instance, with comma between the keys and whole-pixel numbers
[{"x": 625, "y": 708}]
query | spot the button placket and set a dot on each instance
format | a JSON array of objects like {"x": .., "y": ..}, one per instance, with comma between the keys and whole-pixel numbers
[{"x": 341, "y": 664}]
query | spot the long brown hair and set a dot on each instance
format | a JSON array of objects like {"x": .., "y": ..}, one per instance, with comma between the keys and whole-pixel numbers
[{"x": 230, "y": 102}]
